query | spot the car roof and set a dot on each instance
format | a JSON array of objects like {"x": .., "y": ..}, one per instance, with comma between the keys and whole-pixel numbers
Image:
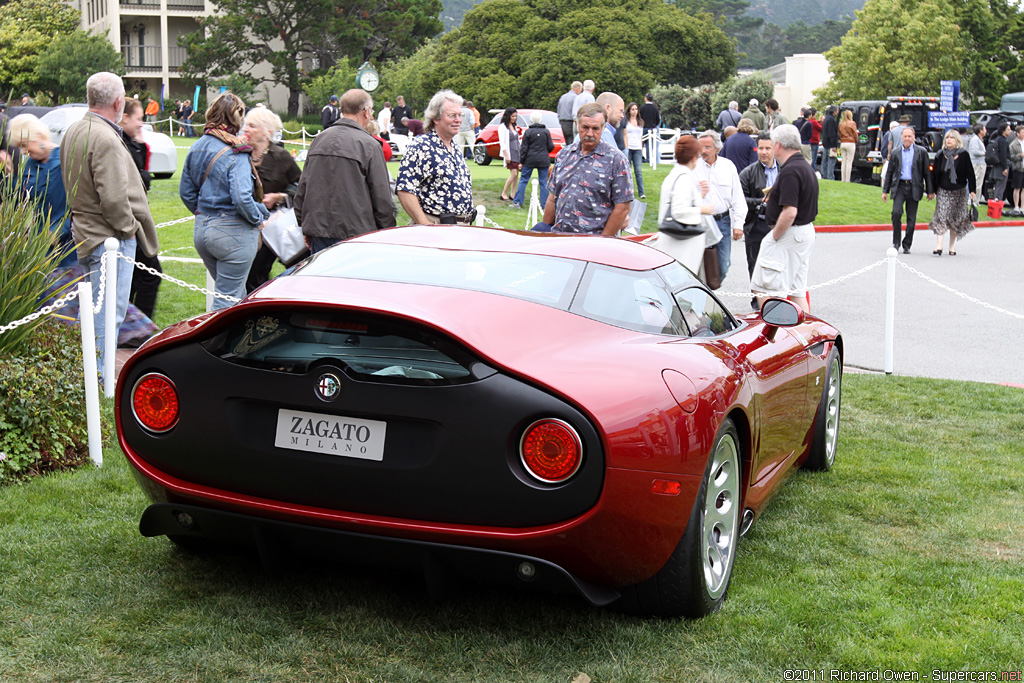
[{"x": 609, "y": 251}]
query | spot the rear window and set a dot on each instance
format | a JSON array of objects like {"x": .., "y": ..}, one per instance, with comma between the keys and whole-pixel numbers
[
  {"x": 541, "y": 279},
  {"x": 364, "y": 348}
]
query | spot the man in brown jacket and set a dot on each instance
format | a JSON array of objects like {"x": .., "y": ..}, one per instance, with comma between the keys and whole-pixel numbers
[
  {"x": 105, "y": 192},
  {"x": 345, "y": 189}
]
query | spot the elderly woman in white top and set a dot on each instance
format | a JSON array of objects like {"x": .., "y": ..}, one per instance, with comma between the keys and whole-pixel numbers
[{"x": 680, "y": 190}]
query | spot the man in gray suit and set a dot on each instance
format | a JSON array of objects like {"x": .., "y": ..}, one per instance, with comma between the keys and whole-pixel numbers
[
  {"x": 105, "y": 192},
  {"x": 907, "y": 178}
]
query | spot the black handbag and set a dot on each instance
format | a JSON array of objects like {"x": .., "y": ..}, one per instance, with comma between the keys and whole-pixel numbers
[
  {"x": 673, "y": 228},
  {"x": 972, "y": 212}
]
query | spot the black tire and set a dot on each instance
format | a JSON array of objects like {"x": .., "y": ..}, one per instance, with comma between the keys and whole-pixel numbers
[
  {"x": 826, "y": 422},
  {"x": 694, "y": 580},
  {"x": 480, "y": 155}
]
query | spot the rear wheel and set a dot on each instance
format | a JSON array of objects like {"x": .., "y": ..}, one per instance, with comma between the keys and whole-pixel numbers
[
  {"x": 480, "y": 155},
  {"x": 826, "y": 424},
  {"x": 694, "y": 581}
]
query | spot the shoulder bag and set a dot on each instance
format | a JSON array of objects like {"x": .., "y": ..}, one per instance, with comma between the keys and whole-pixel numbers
[{"x": 673, "y": 228}]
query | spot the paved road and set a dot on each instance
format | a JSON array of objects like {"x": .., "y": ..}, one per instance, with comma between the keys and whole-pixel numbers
[{"x": 937, "y": 334}]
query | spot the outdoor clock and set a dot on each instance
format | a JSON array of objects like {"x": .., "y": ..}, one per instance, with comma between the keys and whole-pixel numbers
[{"x": 367, "y": 77}]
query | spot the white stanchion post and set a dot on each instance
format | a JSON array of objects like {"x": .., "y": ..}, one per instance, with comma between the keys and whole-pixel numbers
[
  {"x": 480, "y": 211},
  {"x": 211, "y": 287},
  {"x": 655, "y": 149},
  {"x": 890, "y": 308},
  {"x": 303, "y": 137},
  {"x": 110, "y": 316},
  {"x": 92, "y": 387},
  {"x": 534, "y": 201}
]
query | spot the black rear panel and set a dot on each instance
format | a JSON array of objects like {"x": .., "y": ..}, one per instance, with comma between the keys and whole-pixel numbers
[{"x": 451, "y": 450}]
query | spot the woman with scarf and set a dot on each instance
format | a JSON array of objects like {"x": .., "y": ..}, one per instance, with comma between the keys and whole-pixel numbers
[
  {"x": 952, "y": 175},
  {"x": 219, "y": 184}
]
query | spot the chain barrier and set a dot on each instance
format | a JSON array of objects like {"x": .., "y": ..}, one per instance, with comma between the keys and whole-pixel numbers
[
  {"x": 488, "y": 220},
  {"x": 46, "y": 310},
  {"x": 103, "y": 282},
  {"x": 966, "y": 297},
  {"x": 165, "y": 276},
  {"x": 800, "y": 292},
  {"x": 186, "y": 219}
]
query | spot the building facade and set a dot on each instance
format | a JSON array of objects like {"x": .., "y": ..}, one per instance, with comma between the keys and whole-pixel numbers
[{"x": 146, "y": 32}]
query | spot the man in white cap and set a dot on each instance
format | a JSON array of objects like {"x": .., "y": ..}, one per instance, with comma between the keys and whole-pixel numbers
[{"x": 754, "y": 114}]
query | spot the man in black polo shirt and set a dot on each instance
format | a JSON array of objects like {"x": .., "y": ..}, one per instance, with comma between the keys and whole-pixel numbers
[
  {"x": 651, "y": 116},
  {"x": 785, "y": 256}
]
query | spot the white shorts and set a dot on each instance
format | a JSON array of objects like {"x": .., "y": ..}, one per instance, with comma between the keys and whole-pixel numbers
[{"x": 782, "y": 265}]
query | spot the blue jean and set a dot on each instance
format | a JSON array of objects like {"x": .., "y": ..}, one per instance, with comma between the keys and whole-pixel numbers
[
  {"x": 92, "y": 263},
  {"x": 814, "y": 156},
  {"x": 524, "y": 178},
  {"x": 320, "y": 243},
  {"x": 636, "y": 157},
  {"x": 828, "y": 164},
  {"x": 724, "y": 247},
  {"x": 227, "y": 245}
]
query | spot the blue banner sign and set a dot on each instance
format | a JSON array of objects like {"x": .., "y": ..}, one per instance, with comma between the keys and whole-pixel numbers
[
  {"x": 949, "y": 95},
  {"x": 952, "y": 119}
]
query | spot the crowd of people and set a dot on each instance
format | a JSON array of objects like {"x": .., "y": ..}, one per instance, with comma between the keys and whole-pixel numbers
[{"x": 756, "y": 180}]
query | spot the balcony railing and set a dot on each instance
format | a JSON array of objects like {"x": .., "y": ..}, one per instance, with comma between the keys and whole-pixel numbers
[
  {"x": 176, "y": 56},
  {"x": 142, "y": 57},
  {"x": 140, "y": 4},
  {"x": 193, "y": 5}
]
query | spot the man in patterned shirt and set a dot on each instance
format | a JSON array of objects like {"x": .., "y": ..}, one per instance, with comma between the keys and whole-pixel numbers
[
  {"x": 433, "y": 184},
  {"x": 590, "y": 191}
]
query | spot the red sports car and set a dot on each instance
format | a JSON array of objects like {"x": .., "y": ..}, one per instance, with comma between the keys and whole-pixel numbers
[
  {"x": 487, "y": 146},
  {"x": 575, "y": 412}
]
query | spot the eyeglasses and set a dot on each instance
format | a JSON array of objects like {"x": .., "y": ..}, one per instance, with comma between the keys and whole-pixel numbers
[{"x": 457, "y": 115}]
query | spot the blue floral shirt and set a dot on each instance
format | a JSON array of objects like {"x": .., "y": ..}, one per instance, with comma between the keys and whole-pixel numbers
[
  {"x": 587, "y": 187},
  {"x": 438, "y": 176}
]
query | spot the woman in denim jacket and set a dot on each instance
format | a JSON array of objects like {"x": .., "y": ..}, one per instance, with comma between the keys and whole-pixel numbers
[{"x": 220, "y": 186}]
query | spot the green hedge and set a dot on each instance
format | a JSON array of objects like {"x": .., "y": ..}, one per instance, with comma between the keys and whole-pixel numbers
[{"x": 42, "y": 405}]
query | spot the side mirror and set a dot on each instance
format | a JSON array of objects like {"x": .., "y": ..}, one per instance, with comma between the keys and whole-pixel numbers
[{"x": 781, "y": 313}]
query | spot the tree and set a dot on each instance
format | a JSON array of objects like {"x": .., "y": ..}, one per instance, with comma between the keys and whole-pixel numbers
[
  {"x": 902, "y": 47},
  {"x": 62, "y": 70},
  {"x": 27, "y": 30},
  {"x": 245, "y": 33},
  {"x": 527, "y": 52},
  {"x": 741, "y": 90}
]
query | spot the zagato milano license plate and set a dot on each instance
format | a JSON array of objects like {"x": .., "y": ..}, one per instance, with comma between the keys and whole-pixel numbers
[{"x": 331, "y": 434}]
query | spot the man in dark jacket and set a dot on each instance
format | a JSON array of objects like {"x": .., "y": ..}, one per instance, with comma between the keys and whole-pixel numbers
[
  {"x": 753, "y": 181},
  {"x": 651, "y": 116},
  {"x": 329, "y": 114},
  {"x": 829, "y": 143},
  {"x": 534, "y": 153},
  {"x": 401, "y": 111},
  {"x": 1000, "y": 172},
  {"x": 908, "y": 179},
  {"x": 345, "y": 189}
]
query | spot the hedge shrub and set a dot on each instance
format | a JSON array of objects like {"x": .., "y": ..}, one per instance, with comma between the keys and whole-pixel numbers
[{"x": 42, "y": 404}]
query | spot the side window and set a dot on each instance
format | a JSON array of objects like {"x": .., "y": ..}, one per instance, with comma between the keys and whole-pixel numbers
[
  {"x": 630, "y": 299},
  {"x": 703, "y": 314}
]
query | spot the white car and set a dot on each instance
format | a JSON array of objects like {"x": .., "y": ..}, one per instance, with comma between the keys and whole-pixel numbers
[
  {"x": 398, "y": 144},
  {"x": 163, "y": 155}
]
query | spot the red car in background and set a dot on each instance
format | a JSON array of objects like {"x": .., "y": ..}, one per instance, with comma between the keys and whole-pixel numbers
[{"x": 487, "y": 148}]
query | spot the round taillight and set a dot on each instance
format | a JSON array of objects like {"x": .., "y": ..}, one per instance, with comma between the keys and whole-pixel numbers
[
  {"x": 551, "y": 450},
  {"x": 155, "y": 402}
]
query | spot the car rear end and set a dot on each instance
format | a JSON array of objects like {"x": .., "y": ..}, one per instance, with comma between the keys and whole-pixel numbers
[{"x": 332, "y": 428}]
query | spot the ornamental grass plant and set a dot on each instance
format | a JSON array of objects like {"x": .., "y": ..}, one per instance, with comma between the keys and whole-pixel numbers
[{"x": 29, "y": 255}]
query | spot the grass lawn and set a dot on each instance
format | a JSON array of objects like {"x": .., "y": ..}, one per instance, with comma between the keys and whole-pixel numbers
[{"x": 906, "y": 556}]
